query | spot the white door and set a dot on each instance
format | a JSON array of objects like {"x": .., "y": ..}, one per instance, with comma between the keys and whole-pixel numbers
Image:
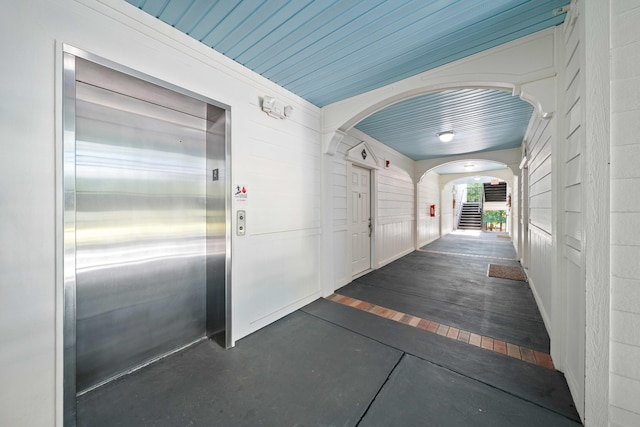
[{"x": 360, "y": 220}]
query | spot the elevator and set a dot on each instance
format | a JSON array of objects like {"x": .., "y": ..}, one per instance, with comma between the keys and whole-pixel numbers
[{"x": 146, "y": 222}]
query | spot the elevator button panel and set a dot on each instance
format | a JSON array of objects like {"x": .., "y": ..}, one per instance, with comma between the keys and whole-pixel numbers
[{"x": 241, "y": 226}]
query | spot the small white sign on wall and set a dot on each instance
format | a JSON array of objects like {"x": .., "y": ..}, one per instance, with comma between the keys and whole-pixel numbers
[{"x": 240, "y": 193}]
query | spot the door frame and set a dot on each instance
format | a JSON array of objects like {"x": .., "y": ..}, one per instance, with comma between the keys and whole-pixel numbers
[
  {"x": 370, "y": 162},
  {"x": 65, "y": 221},
  {"x": 350, "y": 230}
]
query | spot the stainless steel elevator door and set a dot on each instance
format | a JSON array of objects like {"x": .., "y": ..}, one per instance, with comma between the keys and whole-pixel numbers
[{"x": 141, "y": 226}]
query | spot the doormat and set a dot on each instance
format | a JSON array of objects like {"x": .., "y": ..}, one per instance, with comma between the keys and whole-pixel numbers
[
  {"x": 506, "y": 236},
  {"x": 506, "y": 272}
]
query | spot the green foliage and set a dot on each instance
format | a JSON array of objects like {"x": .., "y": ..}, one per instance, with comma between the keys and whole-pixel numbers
[
  {"x": 474, "y": 192},
  {"x": 495, "y": 217}
]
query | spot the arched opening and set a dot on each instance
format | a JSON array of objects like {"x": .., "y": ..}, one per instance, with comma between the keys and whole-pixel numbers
[
  {"x": 461, "y": 187},
  {"x": 531, "y": 78},
  {"x": 434, "y": 213}
]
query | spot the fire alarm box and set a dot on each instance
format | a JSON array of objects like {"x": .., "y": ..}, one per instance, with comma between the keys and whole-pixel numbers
[{"x": 432, "y": 210}]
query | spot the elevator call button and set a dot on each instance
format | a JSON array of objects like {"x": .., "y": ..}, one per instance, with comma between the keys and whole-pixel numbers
[{"x": 240, "y": 223}]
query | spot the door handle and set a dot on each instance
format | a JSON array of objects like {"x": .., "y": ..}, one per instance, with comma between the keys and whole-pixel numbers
[{"x": 369, "y": 227}]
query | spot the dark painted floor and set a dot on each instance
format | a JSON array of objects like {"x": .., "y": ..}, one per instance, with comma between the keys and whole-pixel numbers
[{"x": 333, "y": 365}]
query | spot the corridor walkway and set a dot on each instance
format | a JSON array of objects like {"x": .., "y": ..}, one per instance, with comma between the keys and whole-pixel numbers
[{"x": 429, "y": 339}]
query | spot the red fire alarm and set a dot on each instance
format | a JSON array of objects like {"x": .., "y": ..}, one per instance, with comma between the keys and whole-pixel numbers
[
  {"x": 432, "y": 210},
  {"x": 387, "y": 162}
]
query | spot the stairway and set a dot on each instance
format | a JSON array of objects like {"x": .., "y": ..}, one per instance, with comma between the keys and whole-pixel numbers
[
  {"x": 470, "y": 216},
  {"x": 495, "y": 193}
]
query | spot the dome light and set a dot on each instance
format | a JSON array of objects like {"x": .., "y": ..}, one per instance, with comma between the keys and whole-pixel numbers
[{"x": 445, "y": 136}]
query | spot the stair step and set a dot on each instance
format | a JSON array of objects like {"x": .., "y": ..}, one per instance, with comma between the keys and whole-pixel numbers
[{"x": 470, "y": 216}]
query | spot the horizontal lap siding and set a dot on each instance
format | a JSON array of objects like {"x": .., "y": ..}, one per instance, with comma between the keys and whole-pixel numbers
[
  {"x": 339, "y": 187},
  {"x": 395, "y": 215},
  {"x": 540, "y": 177},
  {"x": 429, "y": 194},
  {"x": 540, "y": 212},
  {"x": 394, "y": 218},
  {"x": 446, "y": 212},
  {"x": 625, "y": 215},
  {"x": 540, "y": 258},
  {"x": 281, "y": 165},
  {"x": 570, "y": 149},
  {"x": 341, "y": 272}
]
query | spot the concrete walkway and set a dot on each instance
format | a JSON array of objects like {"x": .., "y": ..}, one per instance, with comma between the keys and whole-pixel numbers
[{"x": 422, "y": 341}]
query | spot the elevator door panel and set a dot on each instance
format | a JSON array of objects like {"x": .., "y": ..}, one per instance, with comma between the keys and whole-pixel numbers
[{"x": 140, "y": 231}]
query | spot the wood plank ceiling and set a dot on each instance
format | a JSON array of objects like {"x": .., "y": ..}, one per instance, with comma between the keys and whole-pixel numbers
[
  {"x": 329, "y": 50},
  {"x": 482, "y": 120}
]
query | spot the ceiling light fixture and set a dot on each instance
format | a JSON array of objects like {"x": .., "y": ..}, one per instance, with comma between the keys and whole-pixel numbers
[
  {"x": 445, "y": 136},
  {"x": 469, "y": 166}
]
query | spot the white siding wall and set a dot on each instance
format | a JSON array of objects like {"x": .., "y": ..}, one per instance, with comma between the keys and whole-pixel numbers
[
  {"x": 275, "y": 267},
  {"x": 515, "y": 214},
  {"x": 429, "y": 194},
  {"x": 539, "y": 150},
  {"x": 393, "y": 199},
  {"x": 554, "y": 179},
  {"x": 570, "y": 160},
  {"x": 395, "y": 223},
  {"x": 625, "y": 214},
  {"x": 340, "y": 253},
  {"x": 447, "y": 214}
]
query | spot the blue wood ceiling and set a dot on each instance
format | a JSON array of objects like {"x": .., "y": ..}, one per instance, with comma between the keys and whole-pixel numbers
[
  {"x": 482, "y": 120},
  {"x": 329, "y": 50}
]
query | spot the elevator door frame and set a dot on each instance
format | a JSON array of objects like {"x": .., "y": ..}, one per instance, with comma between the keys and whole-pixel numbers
[{"x": 66, "y": 212}]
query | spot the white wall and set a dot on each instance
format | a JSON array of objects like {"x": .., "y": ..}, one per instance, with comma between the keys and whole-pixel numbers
[
  {"x": 515, "y": 214},
  {"x": 447, "y": 212},
  {"x": 539, "y": 135},
  {"x": 555, "y": 175},
  {"x": 340, "y": 257},
  {"x": 396, "y": 219},
  {"x": 393, "y": 199},
  {"x": 275, "y": 267},
  {"x": 568, "y": 199},
  {"x": 570, "y": 207},
  {"x": 459, "y": 195},
  {"x": 625, "y": 214},
  {"x": 523, "y": 209},
  {"x": 495, "y": 206},
  {"x": 428, "y": 193}
]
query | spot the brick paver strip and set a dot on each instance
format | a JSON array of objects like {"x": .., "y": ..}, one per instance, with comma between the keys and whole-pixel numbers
[
  {"x": 475, "y": 339},
  {"x": 453, "y": 333},
  {"x": 513, "y": 351},
  {"x": 488, "y": 343},
  {"x": 464, "y": 336},
  {"x": 527, "y": 355}
]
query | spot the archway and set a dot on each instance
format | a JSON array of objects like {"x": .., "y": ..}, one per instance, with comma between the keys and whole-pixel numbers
[
  {"x": 531, "y": 77},
  {"x": 525, "y": 67},
  {"x": 455, "y": 172}
]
